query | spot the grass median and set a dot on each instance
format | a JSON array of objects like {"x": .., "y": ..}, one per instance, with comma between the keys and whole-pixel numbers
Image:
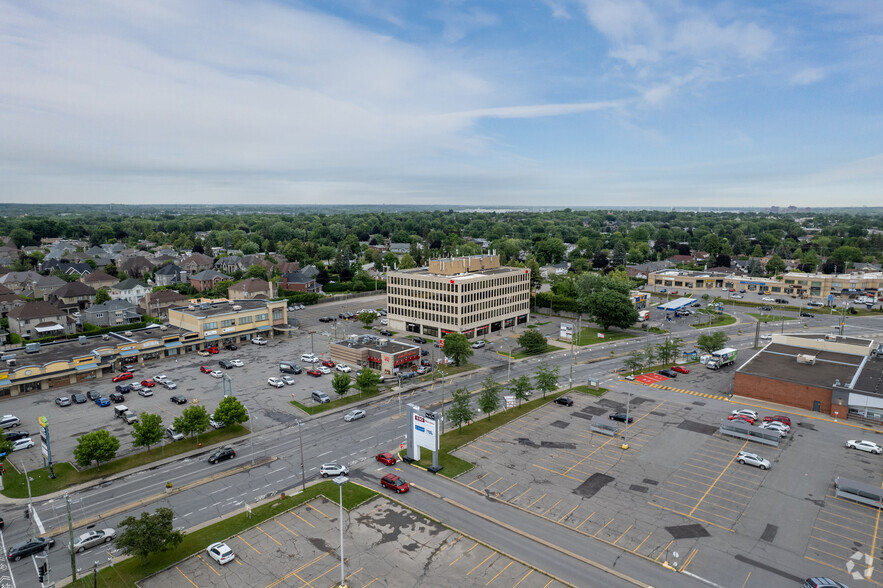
[
  {"x": 66, "y": 475},
  {"x": 130, "y": 571}
]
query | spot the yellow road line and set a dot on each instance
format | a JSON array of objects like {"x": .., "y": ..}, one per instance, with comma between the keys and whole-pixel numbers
[
  {"x": 371, "y": 582},
  {"x": 247, "y": 543},
  {"x": 745, "y": 583},
  {"x": 623, "y": 534},
  {"x": 509, "y": 488},
  {"x": 551, "y": 507},
  {"x": 268, "y": 535},
  {"x": 664, "y": 551},
  {"x": 635, "y": 550},
  {"x": 191, "y": 581},
  {"x": 493, "y": 553},
  {"x": 584, "y": 522},
  {"x": 296, "y": 570},
  {"x": 692, "y": 517},
  {"x": 477, "y": 479},
  {"x": 494, "y": 482},
  {"x": 462, "y": 554},
  {"x": 535, "y": 501},
  {"x": 549, "y": 582},
  {"x": 689, "y": 559},
  {"x": 529, "y": 572},
  {"x": 500, "y": 572},
  {"x": 208, "y": 564},
  {"x": 354, "y": 573},
  {"x": 520, "y": 495},
  {"x": 319, "y": 511},
  {"x": 286, "y": 528},
  {"x": 876, "y": 529},
  {"x": 568, "y": 514},
  {"x": 713, "y": 483},
  {"x": 303, "y": 519},
  {"x": 557, "y": 473},
  {"x": 449, "y": 544},
  {"x": 604, "y": 527}
]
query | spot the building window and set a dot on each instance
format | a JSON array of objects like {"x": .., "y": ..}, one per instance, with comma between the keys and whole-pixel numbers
[
  {"x": 261, "y": 317},
  {"x": 210, "y": 326},
  {"x": 245, "y": 320},
  {"x": 228, "y": 323}
]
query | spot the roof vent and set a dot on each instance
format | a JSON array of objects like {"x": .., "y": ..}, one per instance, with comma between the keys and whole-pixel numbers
[
  {"x": 237, "y": 307},
  {"x": 82, "y": 339},
  {"x": 806, "y": 359},
  {"x": 128, "y": 333}
]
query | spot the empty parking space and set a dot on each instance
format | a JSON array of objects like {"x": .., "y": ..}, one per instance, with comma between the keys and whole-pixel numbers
[{"x": 651, "y": 378}]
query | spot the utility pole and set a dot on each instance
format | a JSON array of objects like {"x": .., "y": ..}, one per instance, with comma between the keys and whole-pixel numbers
[
  {"x": 300, "y": 435},
  {"x": 70, "y": 530},
  {"x": 29, "y": 506},
  {"x": 443, "y": 402}
]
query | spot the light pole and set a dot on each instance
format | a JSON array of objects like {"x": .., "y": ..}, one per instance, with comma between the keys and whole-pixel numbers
[
  {"x": 443, "y": 401},
  {"x": 509, "y": 350},
  {"x": 625, "y": 437},
  {"x": 340, "y": 481},
  {"x": 251, "y": 432},
  {"x": 300, "y": 436}
]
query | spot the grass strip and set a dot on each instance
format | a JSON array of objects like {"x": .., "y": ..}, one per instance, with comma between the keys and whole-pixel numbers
[
  {"x": 770, "y": 318},
  {"x": 337, "y": 402}
]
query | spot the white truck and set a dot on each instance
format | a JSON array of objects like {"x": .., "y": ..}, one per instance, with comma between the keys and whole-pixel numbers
[
  {"x": 643, "y": 315},
  {"x": 721, "y": 357}
]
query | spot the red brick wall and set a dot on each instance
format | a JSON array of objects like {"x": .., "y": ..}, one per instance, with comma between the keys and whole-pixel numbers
[{"x": 788, "y": 393}]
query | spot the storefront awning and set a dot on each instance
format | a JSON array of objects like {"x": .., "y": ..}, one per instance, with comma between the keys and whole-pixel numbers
[
  {"x": 173, "y": 344},
  {"x": 212, "y": 337},
  {"x": 88, "y": 366},
  {"x": 264, "y": 328},
  {"x": 129, "y": 352}
]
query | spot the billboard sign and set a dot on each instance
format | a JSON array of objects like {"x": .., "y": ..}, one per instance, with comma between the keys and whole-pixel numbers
[
  {"x": 424, "y": 429},
  {"x": 566, "y": 332}
]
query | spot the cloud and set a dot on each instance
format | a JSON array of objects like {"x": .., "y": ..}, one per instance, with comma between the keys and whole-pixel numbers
[
  {"x": 557, "y": 8},
  {"x": 808, "y": 75},
  {"x": 459, "y": 23}
]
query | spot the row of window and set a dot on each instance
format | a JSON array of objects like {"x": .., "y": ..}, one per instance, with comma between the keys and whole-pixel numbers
[
  {"x": 243, "y": 320},
  {"x": 497, "y": 292},
  {"x": 444, "y": 284},
  {"x": 495, "y": 304},
  {"x": 426, "y": 295},
  {"x": 489, "y": 316},
  {"x": 423, "y": 305}
]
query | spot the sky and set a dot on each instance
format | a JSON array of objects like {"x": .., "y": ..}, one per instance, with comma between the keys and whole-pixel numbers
[{"x": 565, "y": 103}]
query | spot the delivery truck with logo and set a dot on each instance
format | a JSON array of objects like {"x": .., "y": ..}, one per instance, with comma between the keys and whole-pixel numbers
[{"x": 721, "y": 357}]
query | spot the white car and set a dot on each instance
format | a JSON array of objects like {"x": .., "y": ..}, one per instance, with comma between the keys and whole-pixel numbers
[
  {"x": 93, "y": 538},
  {"x": 747, "y": 412},
  {"x": 309, "y": 358},
  {"x": 25, "y": 443},
  {"x": 145, "y": 392},
  {"x": 259, "y": 341},
  {"x": 354, "y": 415},
  {"x": 220, "y": 552},
  {"x": 342, "y": 367},
  {"x": 160, "y": 378},
  {"x": 736, "y": 296},
  {"x": 217, "y": 374},
  {"x": 216, "y": 424},
  {"x": 276, "y": 382},
  {"x": 333, "y": 469},
  {"x": 768, "y": 299},
  {"x": 478, "y": 345},
  {"x": 868, "y": 446},
  {"x": 289, "y": 381},
  {"x": 324, "y": 369},
  {"x": 781, "y": 428},
  {"x": 237, "y": 362},
  {"x": 766, "y": 337},
  {"x": 384, "y": 321},
  {"x": 753, "y": 459}
]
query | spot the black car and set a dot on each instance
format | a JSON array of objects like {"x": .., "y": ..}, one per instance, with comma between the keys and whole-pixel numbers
[
  {"x": 230, "y": 347},
  {"x": 807, "y": 315},
  {"x": 79, "y": 398},
  {"x": 15, "y": 436},
  {"x": 621, "y": 417},
  {"x": 766, "y": 308},
  {"x": 424, "y": 353},
  {"x": 30, "y": 547},
  {"x": 117, "y": 397},
  {"x": 564, "y": 400},
  {"x": 178, "y": 399},
  {"x": 342, "y": 315},
  {"x": 123, "y": 388},
  {"x": 93, "y": 395},
  {"x": 668, "y": 373},
  {"x": 425, "y": 362},
  {"x": 226, "y": 364},
  {"x": 419, "y": 340},
  {"x": 385, "y": 333},
  {"x": 222, "y": 454}
]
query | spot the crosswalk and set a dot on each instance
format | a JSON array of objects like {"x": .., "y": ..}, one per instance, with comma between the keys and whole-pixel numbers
[{"x": 683, "y": 391}]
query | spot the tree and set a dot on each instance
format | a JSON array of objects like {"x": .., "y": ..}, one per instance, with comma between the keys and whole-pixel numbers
[
  {"x": 457, "y": 348},
  {"x": 546, "y": 378},
  {"x": 256, "y": 271},
  {"x": 712, "y": 342},
  {"x": 532, "y": 341},
  {"x": 367, "y": 380},
  {"x": 341, "y": 383},
  {"x": 147, "y": 430},
  {"x": 366, "y": 318},
  {"x": 97, "y": 446},
  {"x": 230, "y": 411},
  {"x": 667, "y": 350},
  {"x": 489, "y": 397},
  {"x": 610, "y": 308},
  {"x": 536, "y": 278},
  {"x": 775, "y": 265},
  {"x": 634, "y": 361},
  {"x": 407, "y": 262},
  {"x": 151, "y": 533},
  {"x": 193, "y": 419},
  {"x": 101, "y": 296},
  {"x": 461, "y": 410},
  {"x": 5, "y": 446},
  {"x": 649, "y": 352},
  {"x": 520, "y": 387}
]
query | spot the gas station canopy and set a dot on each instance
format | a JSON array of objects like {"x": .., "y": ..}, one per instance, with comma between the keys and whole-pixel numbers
[{"x": 676, "y": 304}]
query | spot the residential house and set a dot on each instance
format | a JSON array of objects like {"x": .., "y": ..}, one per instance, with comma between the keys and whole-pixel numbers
[
  {"x": 229, "y": 264},
  {"x": 287, "y": 266},
  {"x": 207, "y": 279},
  {"x": 251, "y": 288},
  {"x": 45, "y": 286},
  {"x": 170, "y": 274},
  {"x": 137, "y": 266},
  {"x": 20, "y": 282},
  {"x": 310, "y": 271},
  {"x": 130, "y": 289},
  {"x": 196, "y": 262},
  {"x": 158, "y": 303},
  {"x": 96, "y": 251},
  {"x": 8, "y": 301},
  {"x": 33, "y": 320},
  {"x": 298, "y": 282},
  {"x": 400, "y": 248},
  {"x": 111, "y": 314},
  {"x": 99, "y": 279},
  {"x": 73, "y": 297}
]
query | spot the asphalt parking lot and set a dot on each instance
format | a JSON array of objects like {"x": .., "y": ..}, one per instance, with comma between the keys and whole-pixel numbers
[
  {"x": 677, "y": 488},
  {"x": 301, "y": 547}
]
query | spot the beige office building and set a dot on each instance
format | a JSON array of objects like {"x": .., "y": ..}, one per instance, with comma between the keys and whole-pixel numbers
[{"x": 472, "y": 295}]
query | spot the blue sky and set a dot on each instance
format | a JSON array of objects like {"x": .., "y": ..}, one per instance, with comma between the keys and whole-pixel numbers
[{"x": 506, "y": 103}]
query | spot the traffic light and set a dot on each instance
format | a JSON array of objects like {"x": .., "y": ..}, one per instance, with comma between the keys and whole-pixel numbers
[{"x": 42, "y": 571}]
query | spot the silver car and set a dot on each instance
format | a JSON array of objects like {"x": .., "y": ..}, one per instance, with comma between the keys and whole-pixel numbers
[
  {"x": 745, "y": 457},
  {"x": 333, "y": 469},
  {"x": 288, "y": 380},
  {"x": 868, "y": 446},
  {"x": 354, "y": 415},
  {"x": 93, "y": 538}
]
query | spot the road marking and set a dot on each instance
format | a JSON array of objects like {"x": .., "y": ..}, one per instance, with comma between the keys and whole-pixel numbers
[
  {"x": 185, "y": 577},
  {"x": 220, "y": 490},
  {"x": 493, "y": 553},
  {"x": 523, "y": 579},
  {"x": 211, "y": 567},
  {"x": 247, "y": 543},
  {"x": 371, "y": 582},
  {"x": 623, "y": 534},
  {"x": 535, "y": 501},
  {"x": 635, "y": 550},
  {"x": 551, "y": 507},
  {"x": 323, "y": 454},
  {"x": 268, "y": 535},
  {"x": 365, "y": 439},
  {"x": 689, "y": 559},
  {"x": 462, "y": 554},
  {"x": 303, "y": 519},
  {"x": 277, "y": 470},
  {"x": 568, "y": 514},
  {"x": 37, "y": 520},
  {"x": 286, "y": 528},
  {"x": 714, "y": 483},
  {"x": 500, "y": 572},
  {"x": 184, "y": 515},
  {"x": 604, "y": 527},
  {"x": 203, "y": 508}
]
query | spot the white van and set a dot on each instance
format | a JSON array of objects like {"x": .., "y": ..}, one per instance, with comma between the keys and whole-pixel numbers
[{"x": 8, "y": 421}]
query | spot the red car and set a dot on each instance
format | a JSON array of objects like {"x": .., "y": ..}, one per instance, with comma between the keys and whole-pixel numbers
[
  {"x": 742, "y": 417},
  {"x": 149, "y": 383},
  {"x": 386, "y": 458},
  {"x": 314, "y": 373},
  {"x": 393, "y": 482},
  {"x": 213, "y": 350},
  {"x": 205, "y": 369},
  {"x": 122, "y": 376},
  {"x": 680, "y": 370},
  {"x": 328, "y": 363},
  {"x": 782, "y": 419}
]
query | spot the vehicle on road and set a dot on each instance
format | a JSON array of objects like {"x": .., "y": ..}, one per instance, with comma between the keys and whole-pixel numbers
[
  {"x": 354, "y": 415},
  {"x": 564, "y": 401},
  {"x": 863, "y": 445},
  {"x": 680, "y": 369},
  {"x": 222, "y": 454},
  {"x": 744, "y": 457},
  {"x": 766, "y": 309},
  {"x": 93, "y": 538},
  {"x": 621, "y": 417},
  {"x": 393, "y": 482},
  {"x": 478, "y": 345},
  {"x": 220, "y": 552},
  {"x": 737, "y": 296},
  {"x": 122, "y": 376},
  {"x": 807, "y": 315},
  {"x": 721, "y": 358},
  {"x": 29, "y": 547},
  {"x": 419, "y": 340},
  {"x": 177, "y": 399},
  {"x": 386, "y": 458},
  {"x": 342, "y": 367},
  {"x": 333, "y": 469},
  {"x": 102, "y": 401},
  {"x": 275, "y": 382},
  {"x": 63, "y": 401},
  {"x": 768, "y": 299}
]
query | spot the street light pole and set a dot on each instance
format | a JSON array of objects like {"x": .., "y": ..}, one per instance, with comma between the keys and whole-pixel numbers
[
  {"x": 340, "y": 481},
  {"x": 300, "y": 436},
  {"x": 251, "y": 432}
]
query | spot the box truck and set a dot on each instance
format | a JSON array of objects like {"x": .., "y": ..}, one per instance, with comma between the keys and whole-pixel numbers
[
  {"x": 721, "y": 357},
  {"x": 643, "y": 315}
]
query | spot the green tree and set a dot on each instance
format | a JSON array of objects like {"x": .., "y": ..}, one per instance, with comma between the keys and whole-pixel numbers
[
  {"x": 536, "y": 278},
  {"x": 532, "y": 341},
  {"x": 610, "y": 308},
  {"x": 151, "y": 533},
  {"x": 775, "y": 265},
  {"x": 341, "y": 383},
  {"x": 256, "y": 271},
  {"x": 457, "y": 348},
  {"x": 489, "y": 397},
  {"x": 649, "y": 353},
  {"x": 520, "y": 387},
  {"x": 366, "y": 318},
  {"x": 407, "y": 262},
  {"x": 461, "y": 410},
  {"x": 147, "y": 430},
  {"x": 230, "y": 411},
  {"x": 712, "y": 341},
  {"x": 97, "y": 446},
  {"x": 667, "y": 350},
  {"x": 546, "y": 378},
  {"x": 101, "y": 296},
  {"x": 193, "y": 419},
  {"x": 367, "y": 381},
  {"x": 634, "y": 361},
  {"x": 5, "y": 447}
]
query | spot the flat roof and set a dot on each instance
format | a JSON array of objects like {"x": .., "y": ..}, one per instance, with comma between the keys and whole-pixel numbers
[
  {"x": 424, "y": 271},
  {"x": 676, "y": 304},
  {"x": 363, "y": 342},
  {"x": 219, "y": 308},
  {"x": 779, "y": 362}
]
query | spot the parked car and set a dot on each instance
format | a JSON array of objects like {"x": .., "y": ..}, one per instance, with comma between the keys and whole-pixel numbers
[
  {"x": 230, "y": 347},
  {"x": 622, "y": 417},
  {"x": 324, "y": 369},
  {"x": 419, "y": 340},
  {"x": 780, "y": 418},
  {"x": 393, "y": 482},
  {"x": 237, "y": 362},
  {"x": 868, "y": 446},
  {"x": 333, "y": 469},
  {"x": 216, "y": 424},
  {"x": 328, "y": 363},
  {"x": 160, "y": 378},
  {"x": 93, "y": 538},
  {"x": 16, "y": 435},
  {"x": 102, "y": 401},
  {"x": 354, "y": 415},
  {"x": 259, "y": 341},
  {"x": 564, "y": 401},
  {"x": 747, "y": 412},
  {"x": 342, "y": 367},
  {"x": 781, "y": 428},
  {"x": 213, "y": 350},
  {"x": 768, "y": 299},
  {"x": 123, "y": 388},
  {"x": 287, "y": 380},
  {"x": 741, "y": 417},
  {"x": 222, "y": 454},
  {"x": 205, "y": 369},
  {"x": 385, "y": 332},
  {"x": 136, "y": 386},
  {"x": 20, "y": 444},
  {"x": 174, "y": 435},
  {"x": 276, "y": 382},
  {"x": 314, "y": 372},
  {"x": 117, "y": 397},
  {"x": 217, "y": 374},
  {"x": 386, "y": 458},
  {"x": 63, "y": 401},
  {"x": 79, "y": 398},
  {"x": 29, "y": 547},
  {"x": 178, "y": 399},
  {"x": 220, "y": 552},
  {"x": 122, "y": 376},
  {"x": 680, "y": 369},
  {"x": 309, "y": 358},
  {"x": 226, "y": 364},
  {"x": 766, "y": 337},
  {"x": 478, "y": 345},
  {"x": 426, "y": 362},
  {"x": 424, "y": 369},
  {"x": 148, "y": 383},
  {"x": 735, "y": 296},
  {"x": 93, "y": 395},
  {"x": 169, "y": 384},
  {"x": 145, "y": 392},
  {"x": 823, "y": 583},
  {"x": 745, "y": 457},
  {"x": 668, "y": 373}
]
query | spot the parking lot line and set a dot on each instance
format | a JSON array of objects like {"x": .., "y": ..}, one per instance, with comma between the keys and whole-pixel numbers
[
  {"x": 331, "y": 569},
  {"x": 478, "y": 478},
  {"x": 635, "y": 550},
  {"x": 185, "y": 577},
  {"x": 714, "y": 483},
  {"x": 535, "y": 501},
  {"x": 584, "y": 522},
  {"x": 493, "y": 553},
  {"x": 689, "y": 559},
  {"x": 529, "y": 572},
  {"x": 568, "y": 514},
  {"x": 692, "y": 517},
  {"x": 247, "y": 543},
  {"x": 492, "y": 483},
  {"x": 475, "y": 445},
  {"x": 604, "y": 527},
  {"x": 202, "y": 559},
  {"x": 449, "y": 544},
  {"x": 554, "y": 472},
  {"x": 268, "y": 535},
  {"x": 500, "y": 572},
  {"x": 354, "y": 573},
  {"x": 286, "y": 528},
  {"x": 462, "y": 554},
  {"x": 623, "y": 533},
  {"x": 470, "y": 454},
  {"x": 551, "y": 507},
  {"x": 547, "y": 583},
  {"x": 520, "y": 495},
  {"x": 320, "y": 512},
  {"x": 371, "y": 582},
  {"x": 303, "y": 519},
  {"x": 664, "y": 551}
]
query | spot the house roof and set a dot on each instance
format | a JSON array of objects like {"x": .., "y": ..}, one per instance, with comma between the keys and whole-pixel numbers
[
  {"x": 297, "y": 278},
  {"x": 198, "y": 259},
  {"x": 49, "y": 282},
  {"x": 110, "y": 306},
  {"x": 74, "y": 289},
  {"x": 32, "y": 310},
  {"x": 163, "y": 296},
  {"x": 206, "y": 275},
  {"x": 4, "y": 290},
  {"x": 129, "y": 284},
  {"x": 98, "y": 276},
  {"x": 252, "y": 285},
  {"x": 19, "y": 277},
  {"x": 168, "y": 270}
]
